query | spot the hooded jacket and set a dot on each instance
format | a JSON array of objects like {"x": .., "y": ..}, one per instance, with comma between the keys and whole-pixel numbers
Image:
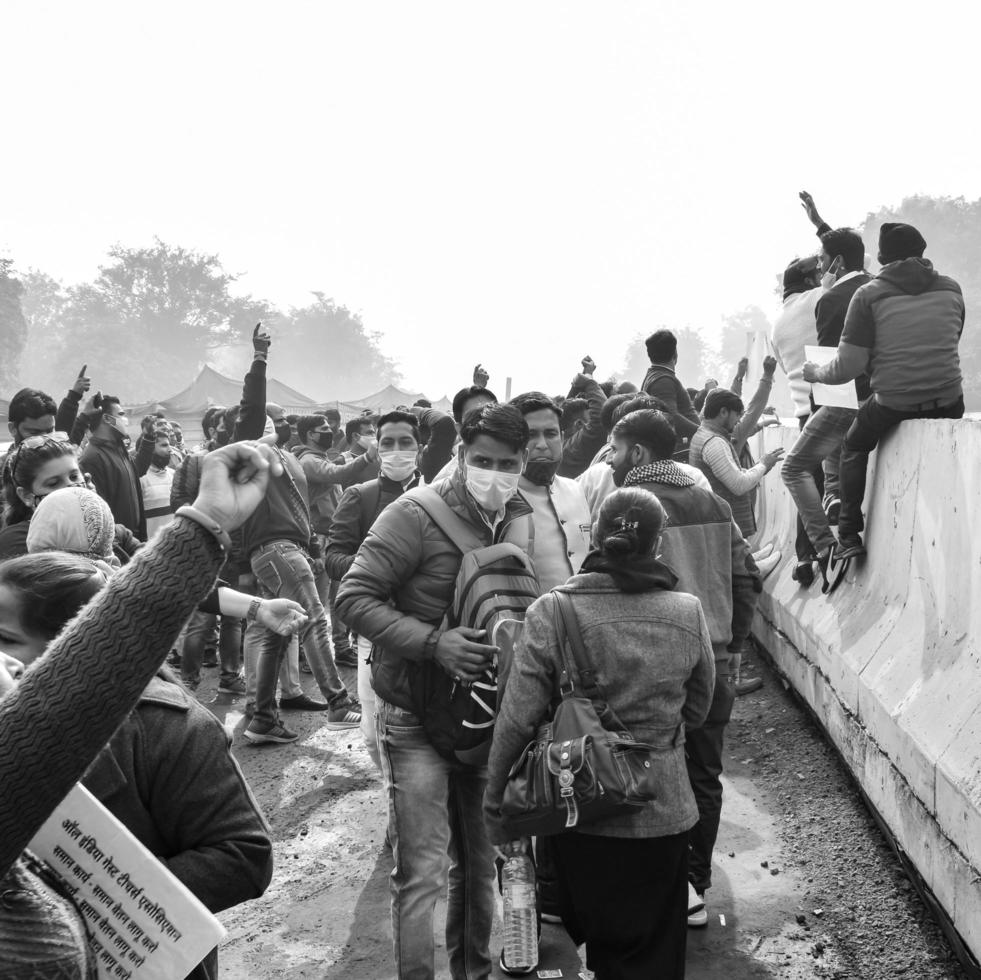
[
  {"x": 903, "y": 328},
  {"x": 401, "y": 583}
]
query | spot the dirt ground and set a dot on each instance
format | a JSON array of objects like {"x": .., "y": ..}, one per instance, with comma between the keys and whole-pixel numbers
[{"x": 804, "y": 884}]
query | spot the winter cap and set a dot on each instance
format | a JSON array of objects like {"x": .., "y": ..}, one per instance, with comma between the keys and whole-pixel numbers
[{"x": 899, "y": 241}]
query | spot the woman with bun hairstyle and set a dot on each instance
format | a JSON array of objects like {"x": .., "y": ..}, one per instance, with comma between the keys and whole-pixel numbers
[{"x": 623, "y": 880}]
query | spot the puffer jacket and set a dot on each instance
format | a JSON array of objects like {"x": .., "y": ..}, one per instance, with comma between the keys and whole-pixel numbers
[
  {"x": 653, "y": 660},
  {"x": 168, "y": 775},
  {"x": 401, "y": 584}
]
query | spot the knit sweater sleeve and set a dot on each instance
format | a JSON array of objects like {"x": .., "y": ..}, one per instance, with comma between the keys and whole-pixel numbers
[
  {"x": 71, "y": 700},
  {"x": 718, "y": 457}
]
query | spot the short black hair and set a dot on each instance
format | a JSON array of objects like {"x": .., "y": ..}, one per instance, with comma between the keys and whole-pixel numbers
[
  {"x": 718, "y": 399},
  {"x": 501, "y": 422},
  {"x": 662, "y": 347},
  {"x": 649, "y": 428},
  {"x": 30, "y": 403},
  {"x": 306, "y": 423},
  {"x": 292, "y": 418},
  {"x": 573, "y": 409},
  {"x": 332, "y": 415},
  {"x": 422, "y": 403},
  {"x": 353, "y": 427},
  {"x": 399, "y": 416},
  {"x": 637, "y": 403},
  {"x": 464, "y": 395},
  {"x": 108, "y": 400},
  {"x": 536, "y": 401},
  {"x": 848, "y": 244},
  {"x": 608, "y": 387},
  {"x": 609, "y": 407}
]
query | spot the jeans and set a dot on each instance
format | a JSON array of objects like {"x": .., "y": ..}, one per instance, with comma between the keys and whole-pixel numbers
[
  {"x": 327, "y": 590},
  {"x": 819, "y": 442},
  {"x": 703, "y": 754},
  {"x": 872, "y": 422},
  {"x": 284, "y": 570},
  {"x": 434, "y": 813},
  {"x": 627, "y": 900},
  {"x": 198, "y": 628},
  {"x": 366, "y": 695},
  {"x": 289, "y": 672}
]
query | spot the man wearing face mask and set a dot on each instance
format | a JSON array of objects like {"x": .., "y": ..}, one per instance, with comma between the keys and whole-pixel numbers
[
  {"x": 358, "y": 509},
  {"x": 115, "y": 473},
  {"x": 156, "y": 484},
  {"x": 560, "y": 539},
  {"x": 396, "y": 594},
  {"x": 325, "y": 480}
]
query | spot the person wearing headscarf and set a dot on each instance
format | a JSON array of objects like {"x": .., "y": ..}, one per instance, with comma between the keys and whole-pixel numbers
[{"x": 77, "y": 520}]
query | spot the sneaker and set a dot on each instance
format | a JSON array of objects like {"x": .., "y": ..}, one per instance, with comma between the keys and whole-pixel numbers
[
  {"x": 210, "y": 659},
  {"x": 803, "y": 573},
  {"x": 261, "y": 732},
  {"x": 832, "y": 508},
  {"x": 303, "y": 703},
  {"x": 249, "y": 710},
  {"x": 347, "y": 714},
  {"x": 191, "y": 683},
  {"x": 746, "y": 685},
  {"x": 698, "y": 916},
  {"x": 234, "y": 685},
  {"x": 174, "y": 658},
  {"x": 764, "y": 552},
  {"x": 849, "y": 546},
  {"x": 305, "y": 668},
  {"x": 512, "y": 971}
]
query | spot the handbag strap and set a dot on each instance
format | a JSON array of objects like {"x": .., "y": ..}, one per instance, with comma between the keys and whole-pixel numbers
[{"x": 570, "y": 638}]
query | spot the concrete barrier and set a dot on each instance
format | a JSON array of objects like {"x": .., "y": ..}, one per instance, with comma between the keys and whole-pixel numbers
[{"x": 891, "y": 662}]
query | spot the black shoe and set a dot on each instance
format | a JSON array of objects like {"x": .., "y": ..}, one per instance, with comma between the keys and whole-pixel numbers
[
  {"x": 347, "y": 658},
  {"x": 513, "y": 971},
  {"x": 803, "y": 573},
  {"x": 849, "y": 546},
  {"x": 303, "y": 703},
  {"x": 832, "y": 508}
]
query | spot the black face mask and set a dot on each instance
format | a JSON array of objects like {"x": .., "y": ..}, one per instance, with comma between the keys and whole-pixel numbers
[
  {"x": 161, "y": 461},
  {"x": 283, "y": 433},
  {"x": 323, "y": 439}
]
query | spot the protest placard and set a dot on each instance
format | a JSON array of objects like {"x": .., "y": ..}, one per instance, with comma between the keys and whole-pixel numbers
[{"x": 145, "y": 923}]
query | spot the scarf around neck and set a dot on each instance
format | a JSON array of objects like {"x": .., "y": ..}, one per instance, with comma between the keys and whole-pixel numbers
[{"x": 660, "y": 471}]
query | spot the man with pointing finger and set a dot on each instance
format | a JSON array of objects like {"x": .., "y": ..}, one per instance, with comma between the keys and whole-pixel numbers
[{"x": 395, "y": 594}]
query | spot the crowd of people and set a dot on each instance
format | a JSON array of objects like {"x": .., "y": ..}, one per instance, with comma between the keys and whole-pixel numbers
[{"x": 284, "y": 544}]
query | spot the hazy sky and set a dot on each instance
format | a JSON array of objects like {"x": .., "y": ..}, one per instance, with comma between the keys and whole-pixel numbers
[{"x": 512, "y": 183}]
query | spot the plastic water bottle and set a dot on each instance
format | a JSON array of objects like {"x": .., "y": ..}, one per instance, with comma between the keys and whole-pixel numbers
[{"x": 520, "y": 954}]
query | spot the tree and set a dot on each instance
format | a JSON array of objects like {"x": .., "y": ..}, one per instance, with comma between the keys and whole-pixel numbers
[
  {"x": 737, "y": 329},
  {"x": 324, "y": 350},
  {"x": 13, "y": 326},
  {"x": 44, "y": 302},
  {"x": 952, "y": 229},
  {"x": 695, "y": 358}
]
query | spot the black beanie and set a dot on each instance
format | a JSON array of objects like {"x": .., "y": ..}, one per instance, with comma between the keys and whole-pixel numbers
[{"x": 899, "y": 241}]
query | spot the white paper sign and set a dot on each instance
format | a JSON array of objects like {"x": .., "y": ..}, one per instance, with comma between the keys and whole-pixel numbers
[
  {"x": 835, "y": 396},
  {"x": 145, "y": 923}
]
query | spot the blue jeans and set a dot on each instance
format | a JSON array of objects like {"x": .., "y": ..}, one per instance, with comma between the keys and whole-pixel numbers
[
  {"x": 283, "y": 571},
  {"x": 434, "y": 813},
  {"x": 819, "y": 442},
  {"x": 199, "y": 626},
  {"x": 871, "y": 424}
]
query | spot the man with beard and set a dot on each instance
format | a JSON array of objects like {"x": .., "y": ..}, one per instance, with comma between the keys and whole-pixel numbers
[
  {"x": 559, "y": 542},
  {"x": 705, "y": 549}
]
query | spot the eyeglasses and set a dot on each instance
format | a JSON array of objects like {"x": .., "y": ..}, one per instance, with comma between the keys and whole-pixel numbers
[{"x": 34, "y": 442}]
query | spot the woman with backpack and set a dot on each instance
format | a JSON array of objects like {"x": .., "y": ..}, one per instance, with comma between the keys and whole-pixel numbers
[{"x": 623, "y": 880}]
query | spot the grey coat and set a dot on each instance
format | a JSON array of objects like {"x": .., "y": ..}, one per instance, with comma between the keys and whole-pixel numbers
[{"x": 653, "y": 660}]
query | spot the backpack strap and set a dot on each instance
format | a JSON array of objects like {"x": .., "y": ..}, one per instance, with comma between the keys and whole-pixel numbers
[
  {"x": 369, "y": 498},
  {"x": 570, "y": 637},
  {"x": 451, "y": 524}
]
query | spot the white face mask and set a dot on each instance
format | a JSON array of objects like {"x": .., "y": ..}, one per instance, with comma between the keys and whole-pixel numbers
[
  {"x": 367, "y": 442},
  {"x": 397, "y": 464},
  {"x": 828, "y": 280},
  {"x": 492, "y": 489}
]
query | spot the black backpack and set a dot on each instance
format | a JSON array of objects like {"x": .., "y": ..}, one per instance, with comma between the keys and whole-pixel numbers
[{"x": 494, "y": 587}]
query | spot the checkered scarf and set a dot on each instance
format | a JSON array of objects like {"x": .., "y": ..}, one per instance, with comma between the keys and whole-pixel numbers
[{"x": 661, "y": 471}]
